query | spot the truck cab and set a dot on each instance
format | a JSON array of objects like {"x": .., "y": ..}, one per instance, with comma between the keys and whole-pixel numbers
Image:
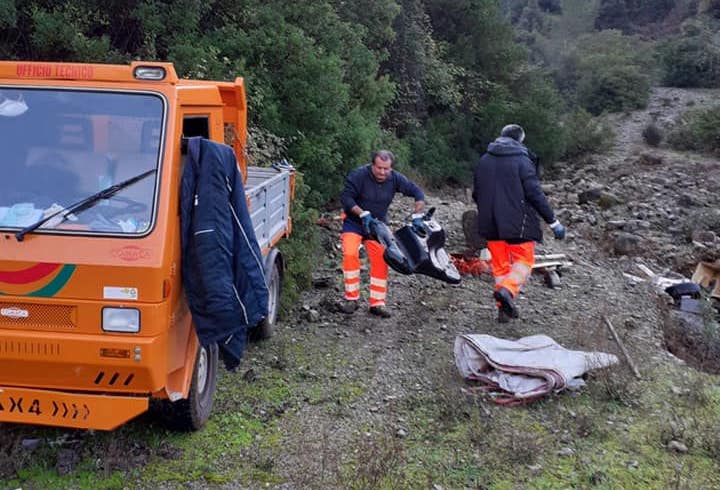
[{"x": 93, "y": 320}]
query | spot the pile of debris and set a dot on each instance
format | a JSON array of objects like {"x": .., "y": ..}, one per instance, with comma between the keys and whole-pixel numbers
[{"x": 692, "y": 326}]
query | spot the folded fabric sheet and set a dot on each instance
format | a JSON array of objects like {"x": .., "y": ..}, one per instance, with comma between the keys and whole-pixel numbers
[{"x": 523, "y": 370}]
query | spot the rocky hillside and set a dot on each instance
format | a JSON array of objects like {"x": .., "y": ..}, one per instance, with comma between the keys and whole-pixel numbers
[
  {"x": 643, "y": 201},
  {"x": 355, "y": 402}
]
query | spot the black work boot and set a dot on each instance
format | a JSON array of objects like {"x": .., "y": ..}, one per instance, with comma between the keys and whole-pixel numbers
[
  {"x": 348, "y": 307},
  {"x": 380, "y": 311},
  {"x": 507, "y": 305},
  {"x": 503, "y": 317}
]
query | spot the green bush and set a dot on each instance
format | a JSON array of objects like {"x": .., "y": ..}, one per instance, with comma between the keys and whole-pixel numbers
[
  {"x": 434, "y": 151},
  {"x": 692, "y": 59},
  {"x": 698, "y": 131},
  {"x": 652, "y": 135},
  {"x": 585, "y": 134},
  {"x": 615, "y": 88},
  {"x": 299, "y": 250},
  {"x": 607, "y": 72}
]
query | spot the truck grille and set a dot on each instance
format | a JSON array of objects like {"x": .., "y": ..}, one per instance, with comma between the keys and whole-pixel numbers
[
  {"x": 9, "y": 348},
  {"x": 30, "y": 315}
]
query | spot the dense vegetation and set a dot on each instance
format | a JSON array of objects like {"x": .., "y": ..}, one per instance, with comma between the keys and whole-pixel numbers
[
  {"x": 332, "y": 80},
  {"x": 698, "y": 130},
  {"x": 432, "y": 80}
]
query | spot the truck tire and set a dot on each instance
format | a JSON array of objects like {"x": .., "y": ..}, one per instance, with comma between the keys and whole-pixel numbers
[
  {"x": 191, "y": 413},
  {"x": 267, "y": 327}
]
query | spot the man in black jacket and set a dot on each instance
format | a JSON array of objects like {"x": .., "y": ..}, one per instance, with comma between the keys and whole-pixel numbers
[
  {"x": 509, "y": 198},
  {"x": 368, "y": 192}
]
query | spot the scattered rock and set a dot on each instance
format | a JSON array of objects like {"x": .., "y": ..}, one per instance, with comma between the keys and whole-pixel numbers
[
  {"x": 566, "y": 451},
  {"x": 322, "y": 282},
  {"x": 650, "y": 159},
  {"x": 687, "y": 200},
  {"x": 677, "y": 447},
  {"x": 250, "y": 375},
  {"x": 626, "y": 243},
  {"x": 30, "y": 444},
  {"x": 597, "y": 477},
  {"x": 66, "y": 461},
  {"x": 703, "y": 236},
  {"x": 312, "y": 315},
  {"x": 608, "y": 200},
  {"x": 590, "y": 195}
]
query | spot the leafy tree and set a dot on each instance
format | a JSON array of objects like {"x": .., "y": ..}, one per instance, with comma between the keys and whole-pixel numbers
[
  {"x": 8, "y": 14},
  {"x": 532, "y": 18},
  {"x": 627, "y": 15},
  {"x": 613, "y": 14},
  {"x": 425, "y": 81},
  {"x": 377, "y": 17},
  {"x": 607, "y": 71},
  {"x": 551, "y": 6},
  {"x": 692, "y": 59}
]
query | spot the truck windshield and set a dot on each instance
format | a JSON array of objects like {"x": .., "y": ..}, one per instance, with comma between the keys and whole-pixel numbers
[{"x": 61, "y": 146}]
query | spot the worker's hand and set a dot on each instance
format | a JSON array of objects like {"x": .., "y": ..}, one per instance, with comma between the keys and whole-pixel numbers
[
  {"x": 418, "y": 225},
  {"x": 367, "y": 219},
  {"x": 558, "y": 230}
]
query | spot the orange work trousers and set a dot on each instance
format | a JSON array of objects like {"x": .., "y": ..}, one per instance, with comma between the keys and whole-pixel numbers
[
  {"x": 351, "y": 268},
  {"x": 511, "y": 264}
]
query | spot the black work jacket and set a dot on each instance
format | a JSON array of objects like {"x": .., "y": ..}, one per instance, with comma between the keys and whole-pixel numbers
[{"x": 508, "y": 195}]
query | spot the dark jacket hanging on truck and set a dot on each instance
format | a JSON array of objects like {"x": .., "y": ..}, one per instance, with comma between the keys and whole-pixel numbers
[{"x": 222, "y": 267}]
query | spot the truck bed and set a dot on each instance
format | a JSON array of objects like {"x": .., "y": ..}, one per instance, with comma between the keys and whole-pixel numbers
[{"x": 269, "y": 192}]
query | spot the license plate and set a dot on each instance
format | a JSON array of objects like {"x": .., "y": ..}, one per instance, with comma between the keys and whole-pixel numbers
[{"x": 42, "y": 407}]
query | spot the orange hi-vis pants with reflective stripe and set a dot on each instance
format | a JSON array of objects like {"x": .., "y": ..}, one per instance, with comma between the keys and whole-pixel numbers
[
  {"x": 351, "y": 268},
  {"x": 511, "y": 264}
]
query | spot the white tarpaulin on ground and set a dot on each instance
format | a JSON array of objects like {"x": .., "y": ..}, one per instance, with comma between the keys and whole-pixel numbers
[{"x": 519, "y": 371}]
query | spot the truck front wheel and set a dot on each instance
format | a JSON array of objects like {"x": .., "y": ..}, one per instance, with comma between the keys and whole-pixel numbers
[{"x": 193, "y": 412}]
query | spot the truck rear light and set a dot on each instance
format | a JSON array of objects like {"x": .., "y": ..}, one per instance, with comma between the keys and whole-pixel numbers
[
  {"x": 149, "y": 73},
  {"x": 125, "y": 320},
  {"x": 116, "y": 353}
]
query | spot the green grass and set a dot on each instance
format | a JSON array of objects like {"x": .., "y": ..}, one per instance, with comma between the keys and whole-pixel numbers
[{"x": 618, "y": 438}]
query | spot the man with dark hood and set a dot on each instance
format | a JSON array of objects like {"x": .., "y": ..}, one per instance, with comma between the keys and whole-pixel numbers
[{"x": 509, "y": 199}]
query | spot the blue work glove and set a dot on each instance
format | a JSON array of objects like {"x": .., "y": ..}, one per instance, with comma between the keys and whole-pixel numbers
[
  {"x": 558, "y": 230},
  {"x": 367, "y": 219},
  {"x": 418, "y": 225}
]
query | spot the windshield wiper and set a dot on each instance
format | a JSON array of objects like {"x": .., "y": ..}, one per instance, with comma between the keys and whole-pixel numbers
[{"x": 85, "y": 203}]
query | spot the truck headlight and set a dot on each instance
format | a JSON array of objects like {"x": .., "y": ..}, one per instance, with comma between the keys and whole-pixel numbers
[{"x": 126, "y": 320}]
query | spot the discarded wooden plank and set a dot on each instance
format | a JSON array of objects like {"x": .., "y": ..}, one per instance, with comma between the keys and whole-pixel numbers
[
  {"x": 551, "y": 264},
  {"x": 646, "y": 270},
  {"x": 550, "y": 257},
  {"x": 633, "y": 277},
  {"x": 622, "y": 348}
]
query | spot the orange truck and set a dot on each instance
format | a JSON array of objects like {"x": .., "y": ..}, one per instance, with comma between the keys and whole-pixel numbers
[{"x": 93, "y": 320}]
